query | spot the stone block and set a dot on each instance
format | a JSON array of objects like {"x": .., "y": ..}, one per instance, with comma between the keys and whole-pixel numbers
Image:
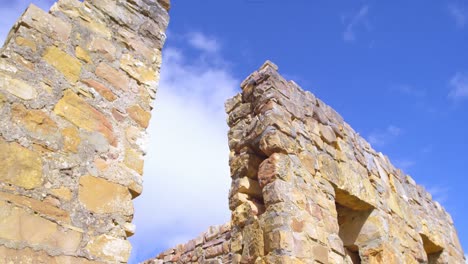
[
  {"x": 109, "y": 248},
  {"x": 139, "y": 115},
  {"x": 103, "y": 197},
  {"x": 17, "y": 87},
  {"x": 20, "y": 166},
  {"x": 76, "y": 110},
  {"x": 115, "y": 77},
  {"x": 20, "y": 226},
  {"x": 66, "y": 64}
]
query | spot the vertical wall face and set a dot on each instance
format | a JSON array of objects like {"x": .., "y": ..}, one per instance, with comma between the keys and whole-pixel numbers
[
  {"x": 307, "y": 189},
  {"x": 76, "y": 89}
]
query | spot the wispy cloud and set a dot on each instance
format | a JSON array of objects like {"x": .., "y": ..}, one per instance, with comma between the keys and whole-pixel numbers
[
  {"x": 459, "y": 14},
  {"x": 408, "y": 90},
  {"x": 354, "y": 21},
  {"x": 459, "y": 86},
  {"x": 404, "y": 164},
  {"x": 186, "y": 178},
  {"x": 439, "y": 193},
  {"x": 382, "y": 137},
  {"x": 203, "y": 42}
]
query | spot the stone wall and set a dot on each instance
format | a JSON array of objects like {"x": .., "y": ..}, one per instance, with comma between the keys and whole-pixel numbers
[
  {"x": 76, "y": 91},
  {"x": 212, "y": 246},
  {"x": 306, "y": 188}
]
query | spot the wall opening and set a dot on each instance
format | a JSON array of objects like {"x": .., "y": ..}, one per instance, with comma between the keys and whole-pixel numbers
[
  {"x": 433, "y": 251},
  {"x": 352, "y": 214}
]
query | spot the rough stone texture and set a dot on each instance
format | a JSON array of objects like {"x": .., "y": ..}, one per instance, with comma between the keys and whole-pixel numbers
[
  {"x": 306, "y": 188},
  {"x": 70, "y": 165},
  {"x": 213, "y": 246}
]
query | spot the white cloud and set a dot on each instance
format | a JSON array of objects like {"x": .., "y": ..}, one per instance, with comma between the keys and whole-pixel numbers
[
  {"x": 202, "y": 42},
  {"x": 459, "y": 86},
  {"x": 382, "y": 137},
  {"x": 459, "y": 14},
  {"x": 10, "y": 11},
  {"x": 360, "y": 18},
  {"x": 187, "y": 178},
  {"x": 466, "y": 259}
]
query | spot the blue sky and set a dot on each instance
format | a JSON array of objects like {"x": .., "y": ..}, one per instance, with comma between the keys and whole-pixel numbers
[{"x": 397, "y": 71}]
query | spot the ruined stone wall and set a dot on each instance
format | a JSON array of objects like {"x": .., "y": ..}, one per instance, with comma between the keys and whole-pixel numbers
[
  {"x": 76, "y": 91},
  {"x": 306, "y": 188}
]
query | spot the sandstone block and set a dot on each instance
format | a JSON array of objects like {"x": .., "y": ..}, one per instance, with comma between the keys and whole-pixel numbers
[
  {"x": 17, "y": 87},
  {"x": 71, "y": 139},
  {"x": 20, "y": 226},
  {"x": 109, "y": 248},
  {"x": 103, "y": 47},
  {"x": 138, "y": 69},
  {"x": 101, "y": 89},
  {"x": 20, "y": 166},
  {"x": 80, "y": 113},
  {"x": 327, "y": 134},
  {"x": 37, "y": 206},
  {"x": 82, "y": 54},
  {"x": 115, "y": 77},
  {"x": 134, "y": 160},
  {"x": 62, "y": 193},
  {"x": 139, "y": 115},
  {"x": 69, "y": 66},
  {"x": 36, "y": 122},
  {"x": 102, "y": 197},
  {"x": 277, "y": 166},
  {"x": 47, "y": 24},
  {"x": 25, "y": 42},
  {"x": 29, "y": 256}
]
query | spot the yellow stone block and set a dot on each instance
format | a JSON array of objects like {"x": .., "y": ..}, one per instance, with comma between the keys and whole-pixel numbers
[
  {"x": 137, "y": 69},
  {"x": 139, "y": 115},
  {"x": 37, "y": 206},
  {"x": 62, "y": 193},
  {"x": 134, "y": 160},
  {"x": 82, "y": 54},
  {"x": 34, "y": 121},
  {"x": 79, "y": 112},
  {"x": 20, "y": 166},
  {"x": 69, "y": 66},
  {"x": 26, "y": 43},
  {"x": 71, "y": 139},
  {"x": 18, "y": 225},
  {"x": 101, "y": 196}
]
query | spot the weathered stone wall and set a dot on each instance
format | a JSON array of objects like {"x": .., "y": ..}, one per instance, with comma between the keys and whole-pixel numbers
[
  {"x": 212, "y": 246},
  {"x": 306, "y": 188},
  {"x": 76, "y": 91}
]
